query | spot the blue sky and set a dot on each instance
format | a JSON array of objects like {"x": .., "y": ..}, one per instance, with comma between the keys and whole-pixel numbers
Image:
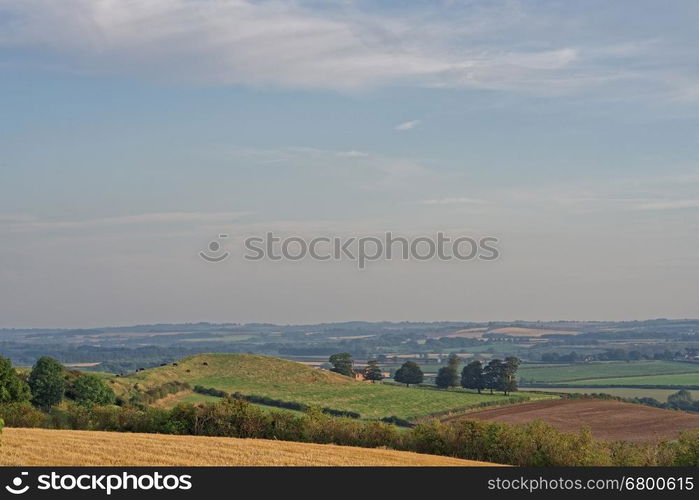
[{"x": 133, "y": 132}]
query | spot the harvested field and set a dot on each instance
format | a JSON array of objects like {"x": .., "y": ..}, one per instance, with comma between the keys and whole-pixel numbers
[
  {"x": 43, "y": 447},
  {"x": 477, "y": 333},
  {"x": 607, "y": 420},
  {"x": 530, "y": 332}
]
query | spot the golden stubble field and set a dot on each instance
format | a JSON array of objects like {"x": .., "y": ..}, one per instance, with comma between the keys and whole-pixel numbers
[{"x": 42, "y": 447}]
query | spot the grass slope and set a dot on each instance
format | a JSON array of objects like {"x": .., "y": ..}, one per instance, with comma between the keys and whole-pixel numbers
[
  {"x": 42, "y": 447},
  {"x": 282, "y": 379}
]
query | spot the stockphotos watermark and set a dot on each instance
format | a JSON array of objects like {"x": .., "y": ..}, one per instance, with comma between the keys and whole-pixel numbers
[
  {"x": 106, "y": 483},
  {"x": 359, "y": 249}
]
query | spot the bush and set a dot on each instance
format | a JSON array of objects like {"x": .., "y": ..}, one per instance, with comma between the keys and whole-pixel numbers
[
  {"x": 210, "y": 391},
  {"x": 21, "y": 415},
  {"x": 149, "y": 396},
  {"x": 400, "y": 422},
  {"x": 12, "y": 388},
  {"x": 686, "y": 449},
  {"x": 534, "y": 445},
  {"x": 90, "y": 390}
]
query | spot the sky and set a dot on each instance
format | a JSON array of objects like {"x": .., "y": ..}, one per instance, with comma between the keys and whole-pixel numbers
[{"x": 134, "y": 132}]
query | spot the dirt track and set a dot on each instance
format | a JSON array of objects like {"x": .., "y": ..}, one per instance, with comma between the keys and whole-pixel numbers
[{"x": 608, "y": 420}]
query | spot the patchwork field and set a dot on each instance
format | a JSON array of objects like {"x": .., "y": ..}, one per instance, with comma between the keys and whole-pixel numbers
[
  {"x": 42, "y": 447},
  {"x": 290, "y": 381},
  {"x": 607, "y": 420},
  {"x": 583, "y": 372}
]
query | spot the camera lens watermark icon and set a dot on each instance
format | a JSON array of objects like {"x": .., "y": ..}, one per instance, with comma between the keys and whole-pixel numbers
[
  {"x": 16, "y": 487},
  {"x": 214, "y": 251}
]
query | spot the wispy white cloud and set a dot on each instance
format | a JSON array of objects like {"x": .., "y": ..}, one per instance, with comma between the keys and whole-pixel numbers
[
  {"x": 407, "y": 125},
  {"x": 292, "y": 44}
]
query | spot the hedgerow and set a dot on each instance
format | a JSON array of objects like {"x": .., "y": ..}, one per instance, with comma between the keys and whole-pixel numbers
[{"x": 532, "y": 444}]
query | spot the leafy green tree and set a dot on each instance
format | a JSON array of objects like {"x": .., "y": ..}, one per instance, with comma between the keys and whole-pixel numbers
[
  {"x": 372, "y": 371},
  {"x": 47, "y": 382},
  {"x": 12, "y": 388},
  {"x": 453, "y": 367},
  {"x": 409, "y": 373},
  {"x": 508, "y": 381},
  {"x": 342, "y": 363},
  {"x": 90, "y": 390},
  {"x": 680, "y": 400},
  {"x": 447, "y": 376},
  {"x": 472, "y": 376},
  {"x": 492, "y": 375}
]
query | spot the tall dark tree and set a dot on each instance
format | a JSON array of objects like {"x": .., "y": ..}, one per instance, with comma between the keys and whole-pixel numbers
[
  {"x": 472, "y": 376},
  {"x": 448, "y": 376},
  {"x": 342, "y": 363},
  {"x": 372, "y": 371},
  {"x": 47, "y": 382},
  {"x": 409, "y": 373},
  {"x": 492, "y": 375},
  {"x": 454, "y": 361},
  {"x": 12, "y": 388}
]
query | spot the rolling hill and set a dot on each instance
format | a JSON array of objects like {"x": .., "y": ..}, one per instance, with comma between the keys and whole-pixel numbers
[
  {"x": 41, "y": 447},
  {"x": 290, "y": 381}
]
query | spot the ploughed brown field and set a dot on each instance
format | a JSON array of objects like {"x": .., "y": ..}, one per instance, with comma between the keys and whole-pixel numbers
[
  {"x": 607, "y": 420},
  {"x": 23, "y": 447}
]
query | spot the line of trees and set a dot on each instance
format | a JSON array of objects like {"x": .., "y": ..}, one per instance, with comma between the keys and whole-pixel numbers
[
  {"x": 497, "y": 375},
  {"x": 49, "y": 382}
]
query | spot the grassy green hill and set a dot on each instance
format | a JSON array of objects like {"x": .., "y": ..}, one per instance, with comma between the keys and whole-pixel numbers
[{"x": 290, "y": 381}]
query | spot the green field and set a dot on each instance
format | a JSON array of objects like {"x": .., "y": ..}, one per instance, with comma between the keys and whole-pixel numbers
[
  {"x": 622, "y": 392},
  {"x": 580, "y": 372},
  {"x": 193, "y": 397},
  {"x": 281, "y": 379},
  {"x": 677, "y": 379}
]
